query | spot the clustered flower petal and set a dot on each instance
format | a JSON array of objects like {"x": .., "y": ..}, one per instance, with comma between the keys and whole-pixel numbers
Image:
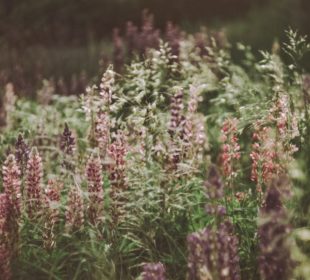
[
  {"x": 95, "y": 189},
  {"x": 51, "y": 213},
  {"x": 193, "y": 132},
  {"x": 107, "y": 86},
  {"x": 33, "y": 187},
  {"x": 12, "y": 188},
  {"x": 12, "y": 184},
  {"x": 153, "y": 271},
  {"x": 263, "y": 155},
  {"x": 176, "y": 110},
  {"x": 102, "y": 132},
  {"x": 22, "y": 151},
  {"x": 5, "y": 244},
  {"x": 284, "y": 119},
  {"x": 272, "y": 149},
  {"x": 275, "y": 260},
  {"x": 178, "y": 128},
  {"x": 74, "y": 210},
  {"x": 67, "y": 141},
  {"x": 117, "y": 152},
  {"x": 230, "y": 148},
  {"x": 173, "y": 37},
  {"x": 213, "y": 254},
  {"x": 215, "y": 192}
]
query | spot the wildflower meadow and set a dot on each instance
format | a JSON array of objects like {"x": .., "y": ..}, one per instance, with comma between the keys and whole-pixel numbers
[{"x": 175, "y": 162}]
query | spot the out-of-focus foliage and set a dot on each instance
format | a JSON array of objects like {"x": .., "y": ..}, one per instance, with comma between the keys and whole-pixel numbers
[
  {"x": 56, "y": 21},
  {"x": 68, "y": 42}
]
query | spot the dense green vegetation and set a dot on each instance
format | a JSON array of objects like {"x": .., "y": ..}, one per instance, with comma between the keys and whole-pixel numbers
[{"x": 184, "y": 164}]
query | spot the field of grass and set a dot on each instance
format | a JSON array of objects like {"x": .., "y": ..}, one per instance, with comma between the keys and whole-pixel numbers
[{"x": 183, "y": 165}]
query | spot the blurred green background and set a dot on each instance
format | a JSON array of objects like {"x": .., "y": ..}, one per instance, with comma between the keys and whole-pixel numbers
[{"x": 61, "y": 39}]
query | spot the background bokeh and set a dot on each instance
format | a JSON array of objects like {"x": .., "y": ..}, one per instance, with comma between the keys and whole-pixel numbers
[{"x": 59, "y": 39}]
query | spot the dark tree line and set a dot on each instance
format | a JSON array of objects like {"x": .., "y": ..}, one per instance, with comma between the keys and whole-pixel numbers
[
  {"x": 74, "y": 22},
  {"x": 56, "y": 21}
]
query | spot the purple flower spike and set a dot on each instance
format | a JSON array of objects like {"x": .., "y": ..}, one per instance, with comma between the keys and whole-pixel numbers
[{"x": 153, "y": 271}]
